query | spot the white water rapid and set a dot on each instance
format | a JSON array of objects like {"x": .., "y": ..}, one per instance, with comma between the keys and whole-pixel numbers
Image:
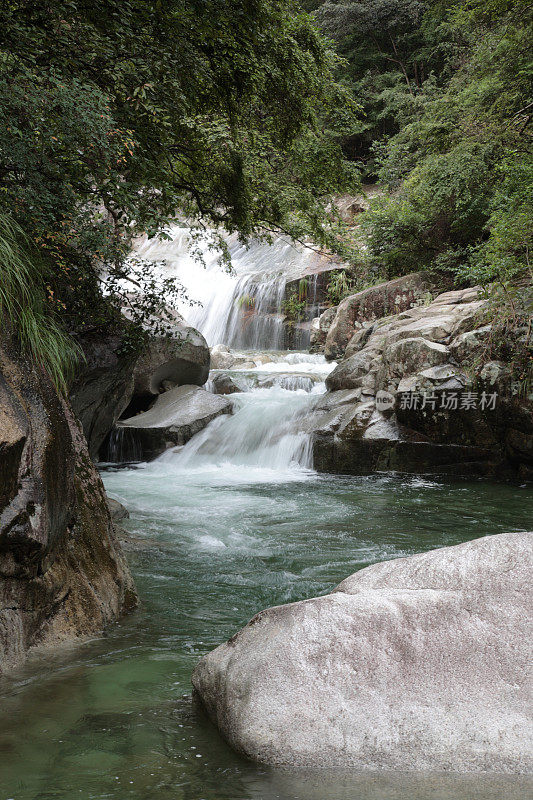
[
  {"x": 265, "y": 439},
  {"x": 241, "y": 309}
]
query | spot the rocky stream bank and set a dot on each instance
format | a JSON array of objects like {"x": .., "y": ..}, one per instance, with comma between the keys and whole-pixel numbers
[{"x": 412, "y": 664}]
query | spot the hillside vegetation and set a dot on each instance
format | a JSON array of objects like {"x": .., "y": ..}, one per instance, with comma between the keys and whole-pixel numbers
[{"x": 116, "y": 118}]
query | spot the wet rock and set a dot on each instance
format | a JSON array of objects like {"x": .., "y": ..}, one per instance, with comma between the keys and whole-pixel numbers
[
  {"x": 224, "y": 383},
  {"x": 103, "y": 385},
  {"x": 224, "y": 358},
  {"x": 221, "y": 357},
  {"x": 357, "y": 438},
  {"x": 175, "y": 417},
  {"x": 113, "y": 381},
  {"x": 334, "y": 399},
  {"x": 117, "y": 510},
  {"x": 62, "y": 572},
  {"x": 519, "y": 446},
  {"x": 244, "y": 364},
  {"x": 389, "y": 671}
]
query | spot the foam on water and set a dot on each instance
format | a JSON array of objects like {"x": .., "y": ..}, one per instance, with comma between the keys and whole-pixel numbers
[
  {"x": 263, "y": 440},
  {"x": 259, "y": 442}
]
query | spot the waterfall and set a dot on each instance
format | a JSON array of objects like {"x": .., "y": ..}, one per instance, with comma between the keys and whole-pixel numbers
[
  {"x": 262, "y": 434},
  {"x": 242, "y": 309},
  {"x": 122, "y": 447},
  {"x": 267, "y": 436}
]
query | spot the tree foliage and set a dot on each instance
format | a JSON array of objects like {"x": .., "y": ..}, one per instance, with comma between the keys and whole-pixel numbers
[
  {"x": 116, "y": 117},
  {"x": 452, "y": 84}
]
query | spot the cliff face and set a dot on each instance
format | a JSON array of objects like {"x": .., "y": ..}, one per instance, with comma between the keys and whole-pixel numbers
[{"x": 62, "y": 572}]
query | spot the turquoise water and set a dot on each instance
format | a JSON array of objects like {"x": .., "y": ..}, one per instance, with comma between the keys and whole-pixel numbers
[{"x": 209, "y": 547}]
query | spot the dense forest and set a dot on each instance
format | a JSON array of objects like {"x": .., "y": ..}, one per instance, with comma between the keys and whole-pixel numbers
[{"x": 115, "y": 118}]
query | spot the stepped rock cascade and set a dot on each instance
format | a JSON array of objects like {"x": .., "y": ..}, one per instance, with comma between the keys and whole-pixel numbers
[
  {"x": 242, "y": 308},
  {"x": 266, "y": 434}
]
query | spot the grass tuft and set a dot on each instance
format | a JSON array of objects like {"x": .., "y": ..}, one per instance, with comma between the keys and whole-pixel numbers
[{"x": 22, "y": 304}]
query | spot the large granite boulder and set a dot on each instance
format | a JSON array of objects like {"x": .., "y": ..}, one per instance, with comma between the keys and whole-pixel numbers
[
  {"x": 414, "y": 664},
  {"x": 370, "y": 304},
  {"x": 180, "y": 359},
  {"x": 62, "y": 572},
  {"x": 175, "y": 417},
  {"x": 113, "y": 380}
]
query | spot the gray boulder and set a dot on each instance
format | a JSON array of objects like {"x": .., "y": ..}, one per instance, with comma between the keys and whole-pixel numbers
[
  {"x": 224, "y": 358},
  {"x": 174, "y": 419},
  {"x": 359, "y": 339},
  {"x": 221, "y": 357},
  {"x": 319, "y": 329},
  {"x": 414, "y": 664},
  {"x": 370, "y": 304},
  {"x": 350, "y": 373},
  {"x": 182, "y": 359},
  {"x": 411, "y": 355},
  {"x": 112, "y": 380},
  {"x": 117, "y": 510},
  {"x": 225, "y": 383},
  {"x": 445, "y": 377}
]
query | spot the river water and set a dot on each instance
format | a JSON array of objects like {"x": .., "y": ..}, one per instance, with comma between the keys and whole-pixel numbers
[{"x": 232, "y": 523}]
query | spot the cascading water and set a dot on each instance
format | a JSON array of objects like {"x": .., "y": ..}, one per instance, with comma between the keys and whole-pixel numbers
[
  {"x": 241, "y": 309},
  {"x": 123, "y": 446},
  {"x": 265, "y": 439}
]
